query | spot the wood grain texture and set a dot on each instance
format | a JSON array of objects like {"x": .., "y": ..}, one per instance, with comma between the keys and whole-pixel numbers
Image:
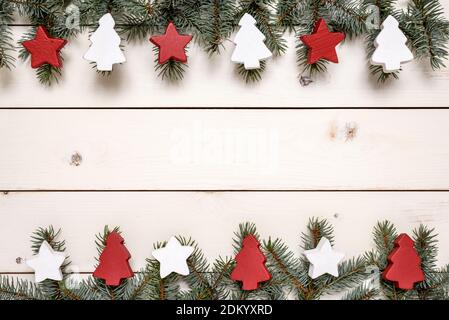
[
  {"x": 224, "y": 150},
  {"x": 210, "y": 218},
  {"x": 214, "y": 82}
]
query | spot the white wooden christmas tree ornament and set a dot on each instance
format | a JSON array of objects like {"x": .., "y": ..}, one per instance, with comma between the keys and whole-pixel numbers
[
  {"x": 105, "y": 48},
  {"x": 250, "y": 47},
  {"x": 391, "y": 49},
  {"x": 323, "y": 259},
  {"x": 173, "y": 258},
  {"x": 47, "y": 263}
]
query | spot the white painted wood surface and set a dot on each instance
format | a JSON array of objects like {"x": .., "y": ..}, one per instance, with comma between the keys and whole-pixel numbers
[
  {"x": 276, "y": 150},
  {"x": 224, "y": 149},
  {"x": 211, "y": 218}
]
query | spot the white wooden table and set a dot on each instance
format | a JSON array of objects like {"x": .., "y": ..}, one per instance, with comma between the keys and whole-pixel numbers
[{"x": 166, "y": 159}]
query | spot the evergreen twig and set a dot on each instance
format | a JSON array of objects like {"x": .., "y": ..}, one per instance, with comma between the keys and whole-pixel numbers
[
  {"x": 6, "y": 47},
  {"x": 212, "y": 281}
]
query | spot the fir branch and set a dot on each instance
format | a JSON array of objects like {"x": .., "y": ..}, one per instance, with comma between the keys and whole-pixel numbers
[
  {"x": 317, "y": 229},
  {"x": 6, "y": 46},
  {"x": 428, "y": 30},
  {"x": 100, "y": 239},
  {"x": 140, "y": 21},
  {"x": 217, "y": 23},
  {"x": 15, "y": 289},
  {"x": 384, "y": 235},
  {"x": 426, "y": 246},
  {"x": 84, "y": 290},
  {"x": 36, "y": 10},
  {"x": 345, "y": 16},
  {"x": 436, "y": 281},
  {"x": 172, "y": 70},
  {"x": 47, "y": 74},
  {"x": 198, "y": 266},
  {"x": 350, "y": 273},
  {"x": 245, "y": 229},
  {"x": 289, "y": 13},
  {"x": 361, "y": 292},
  {"x": 286, "y": 268},
  {"x": 252, "y": 75},
  {"x": 91, "y": 11},
  {"x": 206, "y": 283}
]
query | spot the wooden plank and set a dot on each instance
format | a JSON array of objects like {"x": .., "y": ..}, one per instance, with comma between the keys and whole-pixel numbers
[
  {"x": 215, "y": 83},
  {"x": 224, "y": 150},
  {"x": 210, "y": 218}
]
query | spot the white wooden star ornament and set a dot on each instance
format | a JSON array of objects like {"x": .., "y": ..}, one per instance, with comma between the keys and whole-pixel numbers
[
  {"x": 47, "y": 263},
  {"x": 323, "y": 259},
  {"x": 173, "y": 258}
]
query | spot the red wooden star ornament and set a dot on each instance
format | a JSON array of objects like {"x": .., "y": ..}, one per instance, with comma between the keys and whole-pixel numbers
[
  {"x": 404, "y": 267},
  {"x": 322, "y": 43},
  {"x": 44, "y": 49},
  {"x": 250, "y": 268},
  {"x": 171, "y": 45},
  {"x": 114, "y": 265}
]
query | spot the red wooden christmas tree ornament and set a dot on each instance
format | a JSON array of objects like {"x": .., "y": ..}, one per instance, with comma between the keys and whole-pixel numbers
[
  {"x": 114, "y": 265},
  {"x": 404, "y": 267},
  {"x": 171, "y": 45},
  {"x": 322, "y": 43},
  {"x": 44, "y": 49},
  {"x": 250, "y": 267}
]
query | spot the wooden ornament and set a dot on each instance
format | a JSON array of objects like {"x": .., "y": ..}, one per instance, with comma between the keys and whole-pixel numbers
[
  {"x": 391, "y": 49},
  {"x": 171, "y": 45},
  {"x": 47, "y": 263},
  {"x": 250, "y": 47},
  {"x": 44, "y": 49},
  {"x": 105, "y": 48},
  {"x": 322, "y": 43},
  {"x": 173, "y": 258},
  {"x": 114, "y": 261},
  {"x": 250, "y": 268},
  {"x": 404, "y": 268},
  {"x": 323, "y": 259}
]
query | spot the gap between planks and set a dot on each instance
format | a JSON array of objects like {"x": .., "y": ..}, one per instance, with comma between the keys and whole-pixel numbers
[
  {"x": 6, "y": 192},
  {"x": 225, "y": 108}
]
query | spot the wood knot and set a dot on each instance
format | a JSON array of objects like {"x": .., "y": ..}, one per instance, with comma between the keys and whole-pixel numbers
[
  {"x": 351, "y": 131},
  {"x": 346, "y": 133},
  {"x": 76, "y": 159}
]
